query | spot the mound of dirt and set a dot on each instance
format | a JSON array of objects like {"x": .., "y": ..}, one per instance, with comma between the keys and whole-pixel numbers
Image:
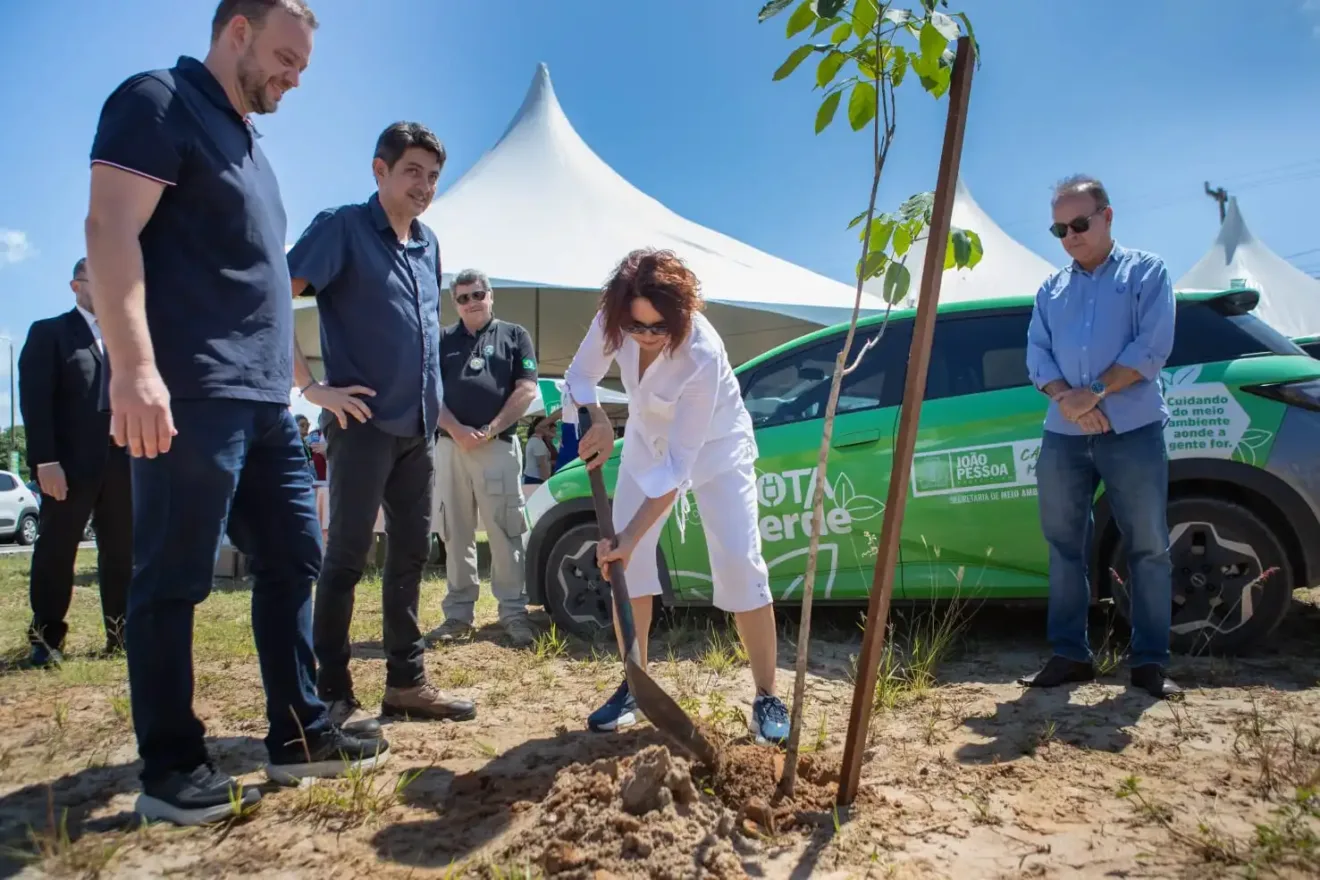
[
  {"x": 627, "y": 817},
  {"x": 747, "y": 780}
]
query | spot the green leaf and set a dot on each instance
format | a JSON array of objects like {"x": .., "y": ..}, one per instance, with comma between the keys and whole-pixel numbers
[
  {"x": 899, "y": 66},
  {"x": 796, "y": 57},
  {"x": 829, "y": 8},
  {"x": 823, "y": 24},
  {"x": 897, "y": 281},
  {"x": 841, "y": 33},
  {"x": 771, "y": 9},
  {"x": 801, "y": 19},
  {"x": 918, "y": 206},
  {"x": 902, "y": 240},
  {"x": 961, "y": 246},
  {"x": 947, "y": 27},
  {"x": 881, "y": 229},
  {"x": 897, "y": 16},
  {"x": 865, "y": 13},
  {"x": 949, "y": 261},
  {"x": 967, "y": 26},
  {"x": 977, "y": 250},
  {"x": 858, "y": 219},
  {"x": 829, "y": 67},
  {"x": 938, "y": 83},
  {"x": 825, "y": 115},
  {"x": 875, "y": 263},
  {"x": 861, "y": 105},
  {"x": 933, "y": 43}
]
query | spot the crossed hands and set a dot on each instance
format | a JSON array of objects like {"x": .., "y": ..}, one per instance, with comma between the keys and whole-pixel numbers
[{"x": 1079, "y": 405}]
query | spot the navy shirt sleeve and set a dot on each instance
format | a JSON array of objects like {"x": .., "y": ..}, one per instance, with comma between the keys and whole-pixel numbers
[
  {"x": 318, "y": 255},
  {"x": 524, "y": 366},
  {"x": 136, "y": 130}
]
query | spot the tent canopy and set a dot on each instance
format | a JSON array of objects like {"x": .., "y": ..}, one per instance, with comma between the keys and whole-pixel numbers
[
  {"x": 550, "y": 397},
  {"x": 1289, "y": 298},
  {"x": 1007, "y": 268},
  {"x": 548, "y": 220}
]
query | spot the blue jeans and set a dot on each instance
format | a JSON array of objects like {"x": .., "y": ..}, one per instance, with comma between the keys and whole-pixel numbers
[
  {"x": 235, "y": 465},
  {"x": 1135, "y": 469}
]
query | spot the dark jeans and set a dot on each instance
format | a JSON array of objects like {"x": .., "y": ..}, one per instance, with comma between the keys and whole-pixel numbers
[
  {"x": 369, "y": 468},
  {"x": 108, "y": 500},
  {"x": 1135, "y": 469},
  {"x": 238, "y": 464}
]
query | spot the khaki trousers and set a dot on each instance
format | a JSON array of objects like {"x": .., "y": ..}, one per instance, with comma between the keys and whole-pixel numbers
[{"x": 485, "y": 483}]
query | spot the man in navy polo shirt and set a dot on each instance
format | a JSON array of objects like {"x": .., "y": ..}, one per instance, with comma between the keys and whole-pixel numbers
[
  {"x": 375, "y": 270},
  {"x": 185, "y": 247}
]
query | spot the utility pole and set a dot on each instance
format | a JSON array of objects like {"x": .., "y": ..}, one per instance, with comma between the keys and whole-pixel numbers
[{"x": 1219, "y": 195}]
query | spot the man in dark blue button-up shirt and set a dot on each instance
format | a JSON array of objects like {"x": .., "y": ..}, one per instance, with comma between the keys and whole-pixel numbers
[
  {"x": 375, "y": 270},
  {"x": 1100, "y": 333},
  {"x": 185, "y": 249}
]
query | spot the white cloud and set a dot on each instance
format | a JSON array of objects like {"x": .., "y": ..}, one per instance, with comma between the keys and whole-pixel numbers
[
  {"x": 1310, "y": 5},
  {"x": 14, "y": 247}
]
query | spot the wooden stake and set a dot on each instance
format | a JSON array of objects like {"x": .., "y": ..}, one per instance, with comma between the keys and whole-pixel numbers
[{"x": 923, "y": 331}]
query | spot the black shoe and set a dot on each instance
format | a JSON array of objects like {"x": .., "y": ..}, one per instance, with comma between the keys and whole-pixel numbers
[
  {"x": 1150, "y": 678},
  {"x": 335, "y": 753},
  {"x": 1060, "y": 670},
  {"x": 45, "y": 657},
  {"x": 196, "y": 798},
  {"x": 349, "y": 716}
]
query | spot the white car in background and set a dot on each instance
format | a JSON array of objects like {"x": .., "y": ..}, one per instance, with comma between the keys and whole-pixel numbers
[{"x": 18, "y": 510}]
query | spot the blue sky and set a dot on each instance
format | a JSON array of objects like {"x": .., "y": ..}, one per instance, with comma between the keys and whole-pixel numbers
[{"x": 1153, "y": 96}]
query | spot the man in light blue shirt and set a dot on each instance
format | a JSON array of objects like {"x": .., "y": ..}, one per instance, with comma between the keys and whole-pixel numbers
[{"x": 1100, "y": 333}]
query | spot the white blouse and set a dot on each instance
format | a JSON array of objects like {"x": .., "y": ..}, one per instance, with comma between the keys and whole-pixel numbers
[{"x": 686, "y": 419}]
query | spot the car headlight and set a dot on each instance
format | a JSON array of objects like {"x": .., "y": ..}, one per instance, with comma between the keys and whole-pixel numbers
[{"x": 538, "y": 505}]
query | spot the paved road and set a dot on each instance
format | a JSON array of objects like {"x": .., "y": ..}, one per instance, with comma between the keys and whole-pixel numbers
[{"x": 16, "y": 549}]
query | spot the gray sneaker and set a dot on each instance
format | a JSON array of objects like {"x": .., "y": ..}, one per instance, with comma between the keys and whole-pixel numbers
[
  {"x": 520, "y": 631},
  {"x": 452, "y": 630}
]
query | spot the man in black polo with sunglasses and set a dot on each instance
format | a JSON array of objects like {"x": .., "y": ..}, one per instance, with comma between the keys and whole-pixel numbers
[
  {"x": 489, "y": 372},
  {"x": 1100, "y": 334}
]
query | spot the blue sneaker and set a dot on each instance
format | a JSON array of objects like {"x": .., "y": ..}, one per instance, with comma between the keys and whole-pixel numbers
[
  {"x": 619, "y": 711},
  {"x": 769, "y": 720}
]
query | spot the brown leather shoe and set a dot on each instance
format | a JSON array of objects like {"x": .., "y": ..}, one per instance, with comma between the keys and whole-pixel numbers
[{"x": 425, "y": 702}]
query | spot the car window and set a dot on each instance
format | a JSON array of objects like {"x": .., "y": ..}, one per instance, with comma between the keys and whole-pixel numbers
[
  {"x": 974, "y": 353},
  {"x": 7, "y": 483},
  {"x": 795, "y": 386},
  {"x": 1211, "y": 331}
]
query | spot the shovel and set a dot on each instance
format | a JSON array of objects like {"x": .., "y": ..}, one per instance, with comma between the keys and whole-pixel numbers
[{"x": 660, "y": 708}]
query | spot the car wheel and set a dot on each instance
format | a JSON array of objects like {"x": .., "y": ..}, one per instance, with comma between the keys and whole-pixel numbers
[
  {"x": 576, "y": 595},
  {"x": 27, "y": 529},
  {"x": 1232, "y": 584}
]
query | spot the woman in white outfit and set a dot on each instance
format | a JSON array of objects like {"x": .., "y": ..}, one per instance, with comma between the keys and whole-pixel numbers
[{"x": 687, "y": 430}]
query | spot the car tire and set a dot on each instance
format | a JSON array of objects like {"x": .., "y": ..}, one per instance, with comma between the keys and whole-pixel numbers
[
  {"x": 1218, "y": 549},
  {"x": 576, "y": 595},
  {"x": 27, "y": 529}
]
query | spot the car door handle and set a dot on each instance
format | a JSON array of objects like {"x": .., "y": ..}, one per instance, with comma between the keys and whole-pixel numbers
[{"x": 856, "y": 438}]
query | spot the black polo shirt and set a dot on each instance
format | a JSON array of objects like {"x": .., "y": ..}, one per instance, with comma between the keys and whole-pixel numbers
[
  {"x": 379, "y": 302},
  {"x": 217, "y": 284},
  {"x": 480, "y": 370}
]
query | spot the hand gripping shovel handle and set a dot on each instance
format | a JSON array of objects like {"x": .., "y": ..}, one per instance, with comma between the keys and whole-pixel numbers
[{"x": 656, "y": 705}]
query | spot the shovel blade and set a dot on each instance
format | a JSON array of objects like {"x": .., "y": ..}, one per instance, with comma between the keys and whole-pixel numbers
[{"x": 667, "y": 716}]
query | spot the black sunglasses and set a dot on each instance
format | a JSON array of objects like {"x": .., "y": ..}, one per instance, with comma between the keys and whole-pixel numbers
[
  {"x": 475, "y": 296},
  {"x": 1078, "y": 225},
  {"x": 637, "y": 328}
]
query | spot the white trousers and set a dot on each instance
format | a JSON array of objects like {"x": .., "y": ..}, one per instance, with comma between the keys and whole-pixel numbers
[{"x": 728, "y": 507}]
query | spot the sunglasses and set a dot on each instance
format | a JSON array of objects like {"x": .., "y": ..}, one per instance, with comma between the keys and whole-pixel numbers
[
  {"x": 475, "y": 296},
  {"x": 1078, "y": 225},
  {"x": 637, "y": 328}
]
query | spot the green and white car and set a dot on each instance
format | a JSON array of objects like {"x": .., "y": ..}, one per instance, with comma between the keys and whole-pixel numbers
[{"x": 1244, "y": 493}]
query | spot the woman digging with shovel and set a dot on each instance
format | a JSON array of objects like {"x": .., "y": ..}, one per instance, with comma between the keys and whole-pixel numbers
[{"x": 687, "y": 431}]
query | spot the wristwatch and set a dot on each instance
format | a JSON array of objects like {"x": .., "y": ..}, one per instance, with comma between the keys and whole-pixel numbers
[{"x": 1099, "y": 389}]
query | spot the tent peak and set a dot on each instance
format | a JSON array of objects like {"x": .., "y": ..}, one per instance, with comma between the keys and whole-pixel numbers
[{"x": 540, "y": 101}]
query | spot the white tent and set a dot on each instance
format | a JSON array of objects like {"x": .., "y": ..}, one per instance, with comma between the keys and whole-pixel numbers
[
  {"x": 1006, "y": 269},
  {"x": 1289, "y": 298},
  {"x": 548, "y": 220}
]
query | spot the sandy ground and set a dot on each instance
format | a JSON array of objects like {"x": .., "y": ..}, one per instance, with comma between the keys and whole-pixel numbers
[{"x": 966, "y": 773}]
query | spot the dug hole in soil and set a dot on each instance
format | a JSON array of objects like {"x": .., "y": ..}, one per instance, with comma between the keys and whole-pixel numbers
[{"x": 655, "y": 814}]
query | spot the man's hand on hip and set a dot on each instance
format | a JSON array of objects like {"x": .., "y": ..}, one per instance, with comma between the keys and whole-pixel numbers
[
  {"x": 343, "y": 402},
  {"x": 140, "y": 416},
  {"x": 52, "y": 480}
]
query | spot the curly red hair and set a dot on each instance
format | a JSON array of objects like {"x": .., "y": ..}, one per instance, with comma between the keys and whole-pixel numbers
[{"x": 661, "y": 278}]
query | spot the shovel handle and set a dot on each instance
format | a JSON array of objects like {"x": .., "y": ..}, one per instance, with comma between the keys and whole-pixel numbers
[{"x": 605, "y": 521}]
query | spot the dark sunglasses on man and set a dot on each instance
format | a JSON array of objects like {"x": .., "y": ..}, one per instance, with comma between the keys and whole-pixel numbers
[
  {"x": 1077, "y": 225},
  {"x": 475, "y": 296}
]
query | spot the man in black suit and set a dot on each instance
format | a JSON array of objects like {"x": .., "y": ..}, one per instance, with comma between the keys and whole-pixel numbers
[{"x": 80, "y": 470}]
